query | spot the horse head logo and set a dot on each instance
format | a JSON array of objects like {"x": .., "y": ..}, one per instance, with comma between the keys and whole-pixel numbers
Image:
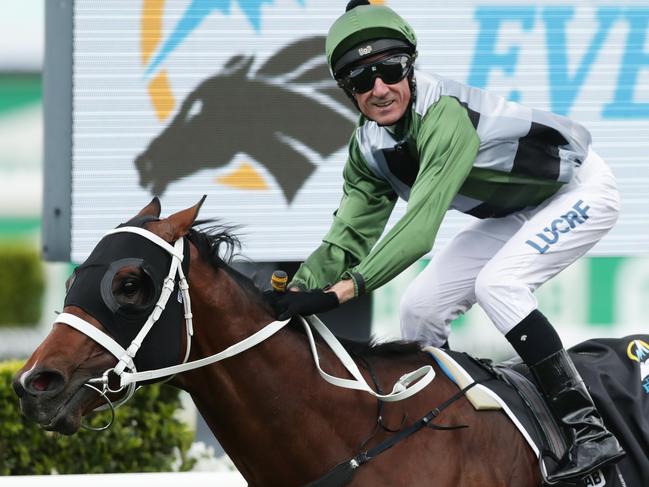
[{"x": 282, "y": 115}]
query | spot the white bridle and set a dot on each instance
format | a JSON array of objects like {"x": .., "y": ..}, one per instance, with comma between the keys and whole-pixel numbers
[{"x": 408, "y": 385}]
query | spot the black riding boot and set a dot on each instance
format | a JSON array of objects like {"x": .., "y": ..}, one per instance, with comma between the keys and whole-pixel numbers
[{"x": 591, "y": 444}]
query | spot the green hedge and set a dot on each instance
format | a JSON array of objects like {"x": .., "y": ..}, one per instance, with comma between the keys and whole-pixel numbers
[
  {"x": 145, "y": 437},
  {"x": 21, "y": 285}
]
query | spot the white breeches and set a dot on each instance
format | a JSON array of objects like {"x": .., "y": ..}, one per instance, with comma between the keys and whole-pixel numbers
[{"x": 500, "y": 262}]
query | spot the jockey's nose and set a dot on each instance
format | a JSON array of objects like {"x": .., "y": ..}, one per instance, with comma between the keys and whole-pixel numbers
[
  {"x": 43, "y": 382},
  {"x": 379, "y": 88}
]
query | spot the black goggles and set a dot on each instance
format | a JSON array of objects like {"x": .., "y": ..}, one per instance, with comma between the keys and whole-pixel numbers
[{"x": 391, "y": 70}]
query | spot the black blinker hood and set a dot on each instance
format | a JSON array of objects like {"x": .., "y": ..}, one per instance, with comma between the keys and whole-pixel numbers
[{"x": 91, "y": 290}]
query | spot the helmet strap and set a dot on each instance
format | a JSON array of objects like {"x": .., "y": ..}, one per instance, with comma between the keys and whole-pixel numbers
[
  {"x": 413, "y": 87},
  {"x": 349, "y": 93}
]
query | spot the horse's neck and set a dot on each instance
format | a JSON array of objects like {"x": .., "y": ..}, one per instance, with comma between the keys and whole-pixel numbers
[
  {"x": 224, "y": 312},
  {"x": 266, "y": 404},
  {"x": 273, "y": 414}
]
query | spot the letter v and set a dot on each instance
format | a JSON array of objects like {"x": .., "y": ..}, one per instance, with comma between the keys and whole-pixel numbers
[{"x": 563, "y": 88}]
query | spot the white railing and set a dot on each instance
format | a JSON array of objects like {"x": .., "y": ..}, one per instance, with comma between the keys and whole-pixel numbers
[{"x": 185, "y": 479}]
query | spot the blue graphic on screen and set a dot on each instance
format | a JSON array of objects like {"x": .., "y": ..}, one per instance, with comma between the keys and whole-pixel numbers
[
  {"x": 199, "y": 10},
  {"x": 565, "y": 82}
]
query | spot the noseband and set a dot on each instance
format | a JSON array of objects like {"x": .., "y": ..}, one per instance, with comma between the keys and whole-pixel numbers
[{"x": 124, "y": 375}]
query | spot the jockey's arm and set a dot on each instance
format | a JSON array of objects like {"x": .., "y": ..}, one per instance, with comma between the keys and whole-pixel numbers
[{"x": 357, "y": 224}]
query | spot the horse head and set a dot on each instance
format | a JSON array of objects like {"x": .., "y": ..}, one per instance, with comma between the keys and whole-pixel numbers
[
  {"x": 274, "y": 116},
  {"x": 113, "y": 291},
  {"x": 200, "y": 135}
]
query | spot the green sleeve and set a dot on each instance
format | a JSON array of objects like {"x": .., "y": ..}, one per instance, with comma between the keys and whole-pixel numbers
[
  {"x": 447, "y": 144},
  {"x": 357, "y": 224}
]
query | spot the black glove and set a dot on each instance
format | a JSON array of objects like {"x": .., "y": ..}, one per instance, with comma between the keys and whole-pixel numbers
[{"x": 302, "y": 303}]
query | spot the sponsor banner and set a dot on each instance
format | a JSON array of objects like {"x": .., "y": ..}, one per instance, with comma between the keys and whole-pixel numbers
[{"x": 233, "y": 99}]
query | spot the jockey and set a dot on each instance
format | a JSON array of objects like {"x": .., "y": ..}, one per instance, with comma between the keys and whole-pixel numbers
[{"x": 540, "y": 195}]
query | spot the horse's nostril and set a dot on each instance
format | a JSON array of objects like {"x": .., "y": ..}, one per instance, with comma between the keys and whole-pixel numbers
[
  {"x": 47, "y": 381},
  {"x": 40, "y": 383},
  {"x": 144, "y": 163}
]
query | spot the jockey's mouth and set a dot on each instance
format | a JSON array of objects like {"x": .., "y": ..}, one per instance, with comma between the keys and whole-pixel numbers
[{"x": 383, "y": 104}]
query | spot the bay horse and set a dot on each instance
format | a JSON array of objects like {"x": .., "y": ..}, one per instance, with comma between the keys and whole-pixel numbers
[{"x": 279, "y": 422}]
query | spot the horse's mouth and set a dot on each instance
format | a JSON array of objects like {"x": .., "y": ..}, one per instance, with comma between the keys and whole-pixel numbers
[
  {"x": 145, "y": 166},
  {"x": 66, "y": 419},
  {"x": 154, "y": 186}
]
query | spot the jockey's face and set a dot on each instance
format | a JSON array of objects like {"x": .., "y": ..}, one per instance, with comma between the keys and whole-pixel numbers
[{"x": 385, "y": 103}]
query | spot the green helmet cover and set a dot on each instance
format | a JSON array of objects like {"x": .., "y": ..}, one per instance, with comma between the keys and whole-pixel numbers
[{"x": 364, "y": 23}]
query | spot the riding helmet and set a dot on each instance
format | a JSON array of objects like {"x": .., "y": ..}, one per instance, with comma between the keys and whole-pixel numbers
[{"x": 366, "y": 30}]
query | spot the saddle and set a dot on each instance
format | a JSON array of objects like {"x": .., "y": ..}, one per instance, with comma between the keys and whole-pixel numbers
[{"x": 616, "y": 372}]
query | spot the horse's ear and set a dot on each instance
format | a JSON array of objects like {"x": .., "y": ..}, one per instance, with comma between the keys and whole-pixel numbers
[
  {"x": 152, "y": 209},
  {"x": 179, "y": 224}
]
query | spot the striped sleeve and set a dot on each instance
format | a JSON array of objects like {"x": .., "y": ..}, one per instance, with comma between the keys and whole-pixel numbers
[
  {"x": 447, "y": 144},
  {"x": 357, "y": 224}
]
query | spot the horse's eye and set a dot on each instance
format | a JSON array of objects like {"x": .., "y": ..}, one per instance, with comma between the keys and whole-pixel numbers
[
  {"x": 133, "y": 288},
  {"x": 130, "y": 287},
  {"x": 195, "y": 109}
]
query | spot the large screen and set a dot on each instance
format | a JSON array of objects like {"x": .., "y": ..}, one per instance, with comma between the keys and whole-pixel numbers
[{"x": 233, "y": 99}]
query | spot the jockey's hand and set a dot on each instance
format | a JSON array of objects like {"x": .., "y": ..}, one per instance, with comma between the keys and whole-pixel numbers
[{"x": 304, "y": 303}]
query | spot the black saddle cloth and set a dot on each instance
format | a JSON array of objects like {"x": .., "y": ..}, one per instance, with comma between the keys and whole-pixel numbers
[
  {"x": 618, "y": 381},
  {"x": 621, "y": 394}
]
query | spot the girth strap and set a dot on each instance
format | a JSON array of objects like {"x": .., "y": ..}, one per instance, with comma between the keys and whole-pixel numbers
[{"x": 342, "y": 473}]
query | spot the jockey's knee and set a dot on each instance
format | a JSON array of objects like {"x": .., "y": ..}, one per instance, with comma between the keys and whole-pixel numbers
[
  {"x": 503, "y": 298},
  {"x": 422, "y": 320}
]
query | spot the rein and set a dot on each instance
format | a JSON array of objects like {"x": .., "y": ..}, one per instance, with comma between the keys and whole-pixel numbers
[{"x": 124, "y": 375}]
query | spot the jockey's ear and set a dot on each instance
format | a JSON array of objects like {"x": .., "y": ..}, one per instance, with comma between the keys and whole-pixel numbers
[
  {"x": 178, "y": 224},
  {"x": 152, "y": 209}
]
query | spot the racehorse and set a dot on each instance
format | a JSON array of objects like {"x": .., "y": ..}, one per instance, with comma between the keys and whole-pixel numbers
[{"x": 279, "y": 422}]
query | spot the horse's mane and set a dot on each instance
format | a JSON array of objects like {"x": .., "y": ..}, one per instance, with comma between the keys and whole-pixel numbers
[{"x": 219, "y": 246}]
